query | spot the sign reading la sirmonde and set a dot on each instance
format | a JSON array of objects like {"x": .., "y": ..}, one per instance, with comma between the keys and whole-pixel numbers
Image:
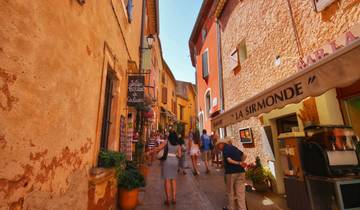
[{"x": 265, "y": 103}]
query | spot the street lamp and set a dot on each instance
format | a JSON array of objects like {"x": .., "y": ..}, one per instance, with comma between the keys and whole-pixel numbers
[{"x": 150, "y": 40}]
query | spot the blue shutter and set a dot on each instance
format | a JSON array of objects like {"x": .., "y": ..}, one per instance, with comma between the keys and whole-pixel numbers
[{"x": 129, "y": 8}]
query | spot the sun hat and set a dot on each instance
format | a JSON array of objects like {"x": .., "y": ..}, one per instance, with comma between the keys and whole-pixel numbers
[{"x": 225, "y": 140}]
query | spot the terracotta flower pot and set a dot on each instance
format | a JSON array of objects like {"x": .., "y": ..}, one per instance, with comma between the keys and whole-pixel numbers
[
  {"x": 261, "y": 187},
  {"x": 128, "y": 199},
  {"x": 144, "y": 170}
]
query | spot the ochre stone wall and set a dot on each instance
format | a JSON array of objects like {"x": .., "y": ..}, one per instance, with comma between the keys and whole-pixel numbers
[
  {"x": 267, "y": 28},
  {"x": 53, "y": 57}
]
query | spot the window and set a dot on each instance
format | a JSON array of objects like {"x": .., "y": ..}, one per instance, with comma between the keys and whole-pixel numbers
[
  {"x": 242, "y": 51},
  {"x": 129, "y": 9},
  {"x": 181, "y": 110},
  {"x": 164, "y": 95},
  {"x": 163, "y": 78},
  {"x": 208, "y": 103},
  {"x": 173, "y": 106},
  {"x": 106, "y": 123},
  {"x": 205, "y": 66},
  {"x": 238, "y": 56},
  {"x": 285, "y": 124},
  {"x": 203, "y": 34}
]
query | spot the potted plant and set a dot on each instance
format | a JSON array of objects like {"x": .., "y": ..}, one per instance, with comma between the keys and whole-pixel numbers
[
  {"x": 129, "y": 182},
  {"x": 112, "y": 159},
  {"x": 259, "y": 175}
]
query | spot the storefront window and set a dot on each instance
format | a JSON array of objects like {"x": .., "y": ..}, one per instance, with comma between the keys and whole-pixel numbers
[{"x": 287, "y": 124}]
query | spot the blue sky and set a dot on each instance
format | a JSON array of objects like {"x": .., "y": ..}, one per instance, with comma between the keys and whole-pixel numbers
[{"x": 177, "y": 18}]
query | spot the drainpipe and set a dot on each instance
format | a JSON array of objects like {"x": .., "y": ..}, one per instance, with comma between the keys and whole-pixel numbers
[
  {"x": 296, "y": 33},
  {"x": 220, "y": 69},
  {"x": 221, "y": 86}
]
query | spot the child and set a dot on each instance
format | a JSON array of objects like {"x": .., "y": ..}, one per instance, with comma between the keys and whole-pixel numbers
[{"x": 181, "y": 164}]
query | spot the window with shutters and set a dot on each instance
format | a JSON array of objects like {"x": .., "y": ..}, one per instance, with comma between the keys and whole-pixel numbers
[
  {"x": 106, "y": 123},
  {"x": 205, "y": 64},
  {"x": 181, "y": 110},
  {"x": 164, "y": 95},
  {"x": 238, "y": 56},
  {"x": 203, "y": 34},
  {"x": 129, "y": 9},
  {"x": 208, "y": 103}
]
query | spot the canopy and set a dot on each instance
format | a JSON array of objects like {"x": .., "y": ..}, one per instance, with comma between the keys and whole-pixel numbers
[{"x": 339, "y": 69}]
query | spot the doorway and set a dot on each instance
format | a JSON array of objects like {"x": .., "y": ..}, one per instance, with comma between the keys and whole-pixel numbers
[{"x": 108, "y": 97}]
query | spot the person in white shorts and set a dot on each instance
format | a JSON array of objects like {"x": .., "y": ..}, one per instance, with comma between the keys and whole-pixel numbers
[{"x": 194, "y": 145}]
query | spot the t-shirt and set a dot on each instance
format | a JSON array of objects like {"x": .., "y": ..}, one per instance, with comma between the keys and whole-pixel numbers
[
  {"x": 235, "y": 154},
  {"x": 205, "y": 141}
]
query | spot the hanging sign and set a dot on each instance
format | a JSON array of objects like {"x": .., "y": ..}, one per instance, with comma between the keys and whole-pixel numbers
[{"x": 135, "y": 90}]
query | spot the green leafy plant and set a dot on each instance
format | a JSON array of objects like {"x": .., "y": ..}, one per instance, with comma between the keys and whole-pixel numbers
[
  {"x": 111, "y": 159},
  {"x": 257, "y": 173},
  {"x": 131, "y": 178}
]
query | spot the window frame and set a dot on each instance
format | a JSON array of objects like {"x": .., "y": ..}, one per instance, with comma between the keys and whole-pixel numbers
[
  {"x": 206, "y": 51},
  {"x": 208, "y": 107}
]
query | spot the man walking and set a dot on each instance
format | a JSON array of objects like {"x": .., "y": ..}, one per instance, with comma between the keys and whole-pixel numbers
[
  {"x": 234, "y": 174},
  {"x": 206, "y": 149}
]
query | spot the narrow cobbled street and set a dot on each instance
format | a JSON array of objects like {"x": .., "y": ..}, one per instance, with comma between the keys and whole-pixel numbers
[{"x": 206, "y": 192}]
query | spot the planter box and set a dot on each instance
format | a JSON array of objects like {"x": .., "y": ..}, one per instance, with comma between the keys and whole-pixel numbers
[{"x": 102, "y": 189}]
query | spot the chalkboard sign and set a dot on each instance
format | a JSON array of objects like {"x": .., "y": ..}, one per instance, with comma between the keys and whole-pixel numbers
[{"x": 135, "y": 90}]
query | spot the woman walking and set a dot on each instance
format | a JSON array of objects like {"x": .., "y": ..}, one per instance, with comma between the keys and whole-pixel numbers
[
  {"x": 194, "y": 145},
  {"x": 169, "y": 166}
]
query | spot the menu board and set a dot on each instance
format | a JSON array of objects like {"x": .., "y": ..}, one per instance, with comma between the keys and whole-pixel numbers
[{"x": 135, "y": 90}]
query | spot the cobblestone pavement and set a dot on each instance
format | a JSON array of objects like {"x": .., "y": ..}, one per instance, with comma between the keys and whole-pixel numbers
[{"x": 204, "y": 192}]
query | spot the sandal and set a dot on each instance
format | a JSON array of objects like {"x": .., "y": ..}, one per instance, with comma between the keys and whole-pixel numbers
[{"x": 167, "y": 203}]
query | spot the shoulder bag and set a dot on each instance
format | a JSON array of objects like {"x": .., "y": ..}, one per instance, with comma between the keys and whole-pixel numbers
[{"x": 162, "y": 154}]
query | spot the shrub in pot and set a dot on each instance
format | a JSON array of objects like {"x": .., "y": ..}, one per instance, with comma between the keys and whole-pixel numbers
[
  {"x": 129, "y": 182},
  {"x": 259, "y": 175}
]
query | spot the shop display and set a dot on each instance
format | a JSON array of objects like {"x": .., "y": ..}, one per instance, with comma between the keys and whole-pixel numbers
[{"x": 330, "y": 151}]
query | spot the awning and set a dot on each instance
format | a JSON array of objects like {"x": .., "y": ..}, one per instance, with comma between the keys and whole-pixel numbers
[
  {"x": 337, "y": 70},
  {"x": 168, "y": 114}
]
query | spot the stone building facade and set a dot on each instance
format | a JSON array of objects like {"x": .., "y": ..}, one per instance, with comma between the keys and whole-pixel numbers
[
  {"x": 271, "y": 37},
  {"x": 56, "y": 58},
  {"x": 186, "y": 106}
]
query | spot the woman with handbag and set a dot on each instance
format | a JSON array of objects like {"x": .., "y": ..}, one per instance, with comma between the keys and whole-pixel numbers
[{"x": 171, "y": 152}]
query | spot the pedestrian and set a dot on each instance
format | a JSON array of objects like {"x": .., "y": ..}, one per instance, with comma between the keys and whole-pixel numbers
[
  {"x": 234, "y": 174},
  {"x": 194, "y": 145},
  {"x": 205, "y": 148},
  {"x": 151, "y": 144},
  {"x": 214, "y": 152},
  {"x": 169, "y": 166},
  {"x": 181, "y": 166}
]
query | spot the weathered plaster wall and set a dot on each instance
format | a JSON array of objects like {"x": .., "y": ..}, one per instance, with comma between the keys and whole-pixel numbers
[
  {"x": 266, "y": 26},
  {"x": 52, "y": 56}
]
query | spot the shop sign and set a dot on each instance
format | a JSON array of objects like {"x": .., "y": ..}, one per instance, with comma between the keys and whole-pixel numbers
[
  {"x": 267, "y": 102},
  {"x": 309, "y": 82},
  {"x": 320, "y": 5},
  {"x": 135, "y": 90},
  {"x": 333, "y": 46}
]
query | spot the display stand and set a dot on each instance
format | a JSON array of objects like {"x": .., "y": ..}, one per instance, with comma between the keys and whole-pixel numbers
[{"x": 327, "y": 193}]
